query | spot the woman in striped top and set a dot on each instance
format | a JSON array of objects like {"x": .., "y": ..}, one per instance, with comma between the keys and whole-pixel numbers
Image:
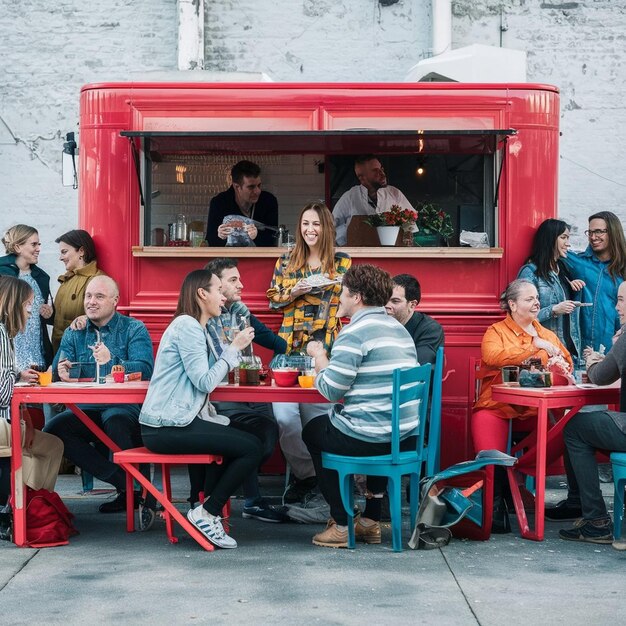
[
  {"x": 42, "y": 452},
  {"x": 309, "y": 313}
]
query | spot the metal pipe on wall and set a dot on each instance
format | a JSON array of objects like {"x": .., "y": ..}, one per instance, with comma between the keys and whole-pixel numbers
[
  {"x": 442, "y": 26},
  {"x": 190, "y": 34}
]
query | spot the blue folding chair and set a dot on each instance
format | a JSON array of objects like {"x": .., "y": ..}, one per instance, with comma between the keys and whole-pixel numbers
[
  {"x": 410, "y": 388},
  {"x": 434, "y": 417},
  {"x": 618, "y": 462}
]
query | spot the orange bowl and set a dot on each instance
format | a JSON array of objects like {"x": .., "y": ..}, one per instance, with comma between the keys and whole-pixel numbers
[{"x": 285, "y": 378}]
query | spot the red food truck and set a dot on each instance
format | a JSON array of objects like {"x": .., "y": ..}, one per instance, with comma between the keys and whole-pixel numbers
[{"x": 153, "y": 154}]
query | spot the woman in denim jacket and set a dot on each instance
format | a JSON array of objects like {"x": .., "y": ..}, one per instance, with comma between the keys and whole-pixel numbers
[
  {"x": 603, "y": 268},
  {"x": 177, "y": 416},
  {"x": 559, "y": 295}
]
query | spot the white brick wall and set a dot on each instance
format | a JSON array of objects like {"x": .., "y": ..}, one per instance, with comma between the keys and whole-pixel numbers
[{"x": 49, "y": 49}]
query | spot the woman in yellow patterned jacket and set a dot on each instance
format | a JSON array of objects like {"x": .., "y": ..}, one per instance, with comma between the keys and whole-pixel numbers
[{"x": 306, "y": 287}]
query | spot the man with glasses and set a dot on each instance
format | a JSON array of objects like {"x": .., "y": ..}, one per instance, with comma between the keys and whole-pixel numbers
[{"x": 602, "y": 266}]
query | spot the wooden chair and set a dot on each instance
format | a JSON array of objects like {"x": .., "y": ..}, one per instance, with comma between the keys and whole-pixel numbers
[{"x": 129, "y": 461}]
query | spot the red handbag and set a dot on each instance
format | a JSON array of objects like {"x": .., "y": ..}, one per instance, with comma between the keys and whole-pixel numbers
[{"x": 48, "y": 520}]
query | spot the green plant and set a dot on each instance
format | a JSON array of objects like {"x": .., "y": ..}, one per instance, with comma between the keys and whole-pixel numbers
[
  {"x": 430, "y": 219},
  {"x": 395, "y": 216}
]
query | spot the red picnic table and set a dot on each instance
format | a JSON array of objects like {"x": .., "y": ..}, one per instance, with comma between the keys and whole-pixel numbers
[
  {"x": 546, "y": 438},
  {"x": 73, "y": 394}
]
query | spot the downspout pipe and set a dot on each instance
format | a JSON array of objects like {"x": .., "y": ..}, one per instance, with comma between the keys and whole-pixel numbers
[
  {"x": 190, "y": 34},
  {"x": 442, "y": 26}
]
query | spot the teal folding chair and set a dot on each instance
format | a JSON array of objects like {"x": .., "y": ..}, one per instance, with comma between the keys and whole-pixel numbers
[
  {"x": 618, "y": 463},
  {"x": 434, "y": 417},
  {"x": 410, "y": 389}
]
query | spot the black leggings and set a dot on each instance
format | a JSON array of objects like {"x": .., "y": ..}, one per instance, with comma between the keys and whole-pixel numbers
[{"x": 242, "y": 453}]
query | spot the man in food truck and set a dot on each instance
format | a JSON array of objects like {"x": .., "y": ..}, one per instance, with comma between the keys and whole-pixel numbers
[
  {"x": 371, "y": 195},
  {"x": 245, "y": 200}
]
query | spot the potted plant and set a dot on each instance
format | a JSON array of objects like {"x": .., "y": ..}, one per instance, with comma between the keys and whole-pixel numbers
[
  {"x": 432, "y": 223},
  {"x": 388, "y": 223}
]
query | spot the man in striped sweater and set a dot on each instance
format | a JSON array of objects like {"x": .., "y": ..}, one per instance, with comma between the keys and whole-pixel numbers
[{"x": 359, "y": 371}]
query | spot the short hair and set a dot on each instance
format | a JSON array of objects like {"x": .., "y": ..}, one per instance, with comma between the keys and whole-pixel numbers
[
  {"x": 17, "y": 235},
  {"x": 13, "y": 294},
  {"x": 79, "y": 239},
  {"x": 219, "y": 264},
  {"x": 364, "y": 158},
  {"x": 244, "y": 168},
  {"x": 617, "y": 243},
  {"x": 188, "y": 297},
  {"x": 108, "y": 280},
  {"x": 412, "y": 289},
  {"x": 512, "y": 292},
  {"x": 372, "y": 283}
]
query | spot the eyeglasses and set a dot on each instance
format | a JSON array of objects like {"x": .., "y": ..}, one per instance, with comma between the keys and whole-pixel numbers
[{"x": 600, "y": 232}]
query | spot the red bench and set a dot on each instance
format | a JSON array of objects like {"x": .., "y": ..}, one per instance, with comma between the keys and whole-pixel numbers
[{"x": 129, "y": 461}]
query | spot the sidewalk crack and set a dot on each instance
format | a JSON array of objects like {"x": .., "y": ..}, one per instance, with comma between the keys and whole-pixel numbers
[
  {"x": 26, "y": 562},
  {"x": 458, "y": 584}
]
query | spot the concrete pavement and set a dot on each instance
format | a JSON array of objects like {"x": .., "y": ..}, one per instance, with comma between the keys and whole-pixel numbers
[{"x": 277, "y": 576}]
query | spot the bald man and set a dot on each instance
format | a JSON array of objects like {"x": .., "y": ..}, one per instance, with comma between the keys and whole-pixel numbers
[
  {"x": 108, "y": 338},
  {"x": 371, "y": 195}
]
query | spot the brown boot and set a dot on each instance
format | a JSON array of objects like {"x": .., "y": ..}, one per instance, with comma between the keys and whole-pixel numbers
[
  {"x": 367, "y": 534},
  {"x": 332, "y": 537}
]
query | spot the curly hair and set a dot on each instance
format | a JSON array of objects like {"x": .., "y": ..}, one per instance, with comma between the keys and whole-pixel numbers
[{"x": 372, "y": 283}]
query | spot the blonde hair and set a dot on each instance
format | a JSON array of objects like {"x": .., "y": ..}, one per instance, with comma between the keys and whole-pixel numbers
[
  {"x": 13, "y": 294},
  {"x": 300, "y": 254},
  {"x": 17, "y": 235}
]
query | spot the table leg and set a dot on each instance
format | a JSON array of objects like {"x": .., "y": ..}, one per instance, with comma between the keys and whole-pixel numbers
[{"x": 17, "y": 482}]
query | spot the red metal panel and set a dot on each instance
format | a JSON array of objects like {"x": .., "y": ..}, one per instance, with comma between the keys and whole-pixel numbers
[{"x": 461, "y": 293}]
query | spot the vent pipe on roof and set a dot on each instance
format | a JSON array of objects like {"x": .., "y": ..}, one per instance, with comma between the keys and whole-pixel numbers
[
  {"x": 190, "y": 34},
  {"x": 442, "y": 26}
]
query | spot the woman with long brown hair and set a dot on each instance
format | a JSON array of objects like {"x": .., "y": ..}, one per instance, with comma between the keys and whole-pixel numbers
[
  {"x": 42, "y": 452},
  {"x": 306, "y": 286},
  {"x": 177, "y": 416}
]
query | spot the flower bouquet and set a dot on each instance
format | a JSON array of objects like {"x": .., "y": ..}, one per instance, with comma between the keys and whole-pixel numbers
[
  {"x": 430, "y": 220},
  {"x": 395, "y": 216}
]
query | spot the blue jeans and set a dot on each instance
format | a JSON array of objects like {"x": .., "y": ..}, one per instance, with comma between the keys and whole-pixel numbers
[
  {"x": 119, "y": 422},
  {"x": 584, "y": 435}
]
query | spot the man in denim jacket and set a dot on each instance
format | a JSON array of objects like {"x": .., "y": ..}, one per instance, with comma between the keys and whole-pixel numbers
[{"x": 108, "y": 339}]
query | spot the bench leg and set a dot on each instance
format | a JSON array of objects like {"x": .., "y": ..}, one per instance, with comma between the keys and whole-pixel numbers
[
  {"x": 167, "y": 492},
  {"x": 168, "y": 506},
  {"x": 130, "y": 504}
]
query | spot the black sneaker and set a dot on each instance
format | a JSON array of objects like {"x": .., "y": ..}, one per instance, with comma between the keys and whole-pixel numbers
[
  {"x": 590, "y": 531},
  {"x": 146, "y": 516},
  {"x": 563, "y": 511},
  {"x": 119, "y": 503},
  {"x": 264, "y": 512},
  {"x": 298, "y": 489}
]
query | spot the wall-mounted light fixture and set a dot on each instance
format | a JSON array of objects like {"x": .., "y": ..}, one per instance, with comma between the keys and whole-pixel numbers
[
  {"x": 68, "y": 163},
  {"x": 420, "y": 168}
]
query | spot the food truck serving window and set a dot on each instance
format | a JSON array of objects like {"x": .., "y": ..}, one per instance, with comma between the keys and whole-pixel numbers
[{"x": 179, "y": 172}]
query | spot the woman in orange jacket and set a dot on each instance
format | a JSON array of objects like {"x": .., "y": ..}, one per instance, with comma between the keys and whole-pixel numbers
[{"x": 519, "y": 336}]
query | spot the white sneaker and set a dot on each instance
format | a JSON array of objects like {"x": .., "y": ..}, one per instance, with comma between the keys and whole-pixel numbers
[{"x": 211, "y": 527}]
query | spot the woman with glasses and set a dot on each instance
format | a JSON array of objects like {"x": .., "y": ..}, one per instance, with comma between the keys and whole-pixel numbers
[
  {"x": 559, "y": 295},
  {"x": 603, "y": 268}
]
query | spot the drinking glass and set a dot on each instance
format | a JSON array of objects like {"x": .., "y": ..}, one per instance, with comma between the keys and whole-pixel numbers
[{"x": 510, "y": 374}]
